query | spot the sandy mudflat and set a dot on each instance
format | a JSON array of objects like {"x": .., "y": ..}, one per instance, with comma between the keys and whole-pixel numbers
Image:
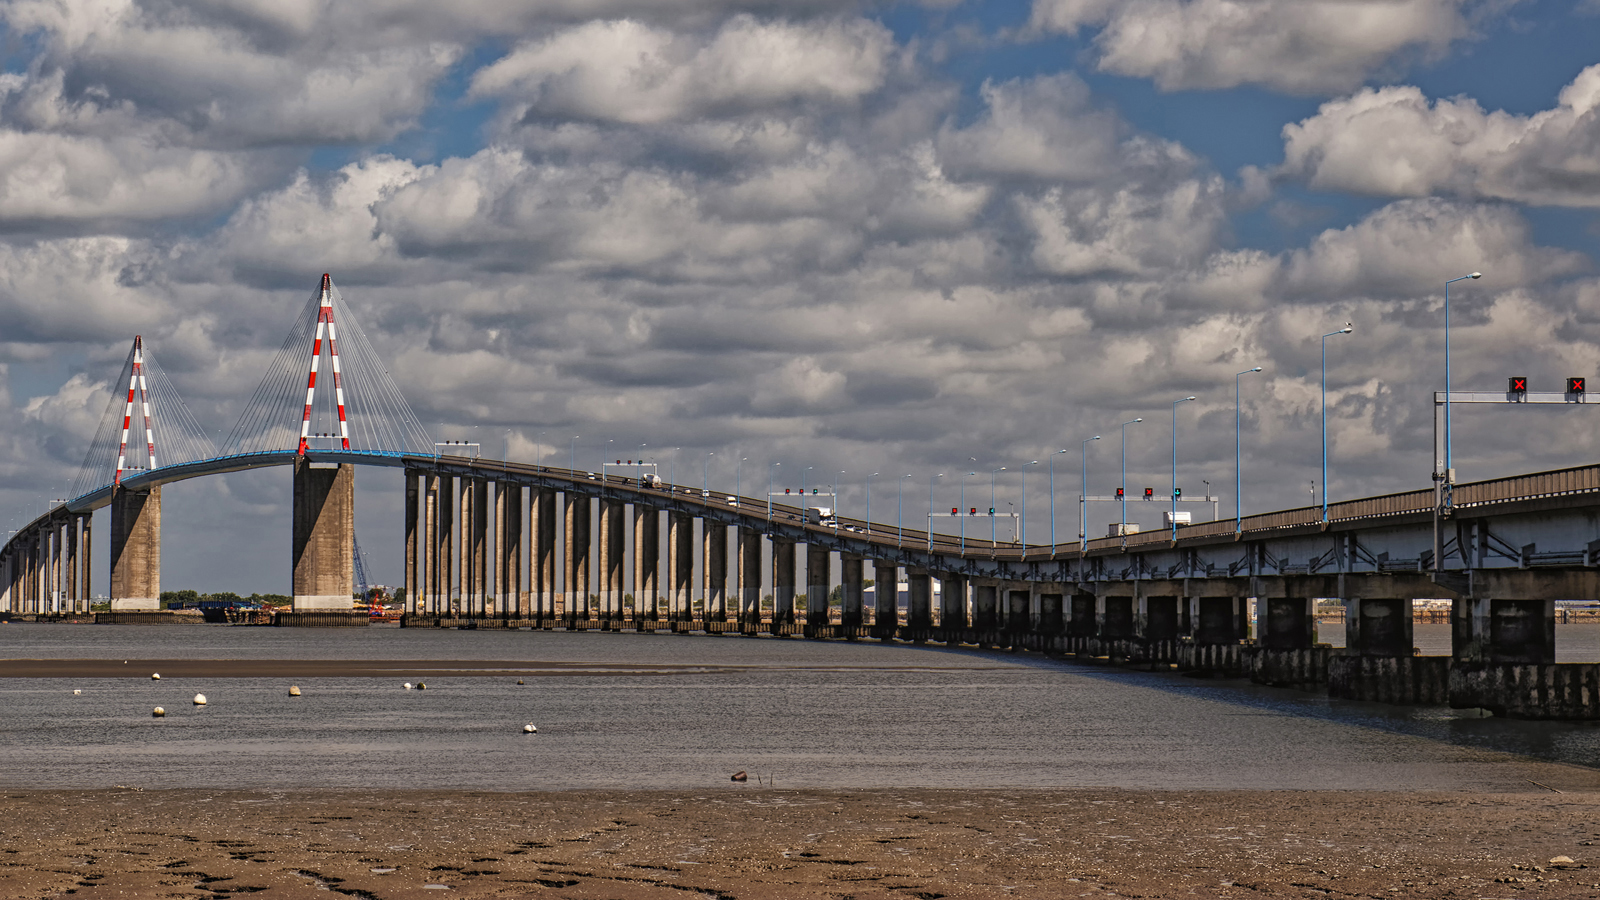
[
  {"x": 324, "y": 668},
  {"x": 752, "y": 842}
]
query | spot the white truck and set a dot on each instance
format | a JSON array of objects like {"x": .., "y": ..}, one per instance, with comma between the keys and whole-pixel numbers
[{"x": 819, "y": 515}]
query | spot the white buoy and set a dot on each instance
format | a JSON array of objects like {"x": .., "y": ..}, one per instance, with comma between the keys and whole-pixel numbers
[
  {"x": 155, "y": 676},
  {"x": 408, "y": 685},
  {"x": 529, "y": 729},
  {"x": 76, "y": 692},
  {"x": 158, "y": 712},
  {"x": 294, "y": 690},
  {"x": 199, "y": 699}
]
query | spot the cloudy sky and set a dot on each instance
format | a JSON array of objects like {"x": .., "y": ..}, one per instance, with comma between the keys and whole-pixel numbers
[{"x": 844, "y": 235}]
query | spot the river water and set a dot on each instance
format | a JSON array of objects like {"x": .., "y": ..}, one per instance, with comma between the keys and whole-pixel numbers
[{"x": 808, "y": 714}]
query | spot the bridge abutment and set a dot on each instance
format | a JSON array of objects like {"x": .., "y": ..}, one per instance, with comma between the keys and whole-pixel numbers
[{"x": 135, "y": 549}]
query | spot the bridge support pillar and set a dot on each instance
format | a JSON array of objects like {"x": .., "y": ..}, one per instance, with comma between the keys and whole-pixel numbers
[
  {"x": 1018, "y": 610},
  {"x": 135, "y": 549},
  {"x": 1114, "y": 612},
  {"x": 985, "y": 609},
  {"x": 714, "y": 571},
  {"x": 1287, "y": 623},
  {"x": 953, "y": 608},
  {"x": 70, "y": 583},
  {"x": 680, "y": 567},
  {"x": 475, "y": 557},
  {"x": 512, "y": 600},
  {"x": 1161, "y": 618},
  {"x": 749, "y": 579},
  {"x": 886, "y": 593},
  {"x": 819, "y": 577},
  {"x": 1218, "y": 620},
  {"x": 919, "y": 622},
  {"x": 412, "y": 556},
  {"x": 1052, "y": 614},
  {"x": 613, "y": 546},
  {"x": 444, "y": 548},
  {"x": 324, "y": 535},
  {"x": 783, "y": 580},
  {"x": 1378, "y": 626},
  {"x": 579, "y": 517},
  {"x": 646, "y": 562},
  {"x": 851, "y": 580},
  {"x": 541, "y": 600},
  {"x": 1502, "y": 630}
]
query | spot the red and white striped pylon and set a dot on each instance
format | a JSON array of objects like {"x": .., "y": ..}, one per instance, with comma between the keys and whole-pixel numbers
[
  {"x": 136, "y": 383},
  {"x": 324, "y": 318}
]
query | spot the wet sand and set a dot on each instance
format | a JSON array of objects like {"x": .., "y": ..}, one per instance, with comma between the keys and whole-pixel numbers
[
  {"x": 747, "y": 841},
  {"x": 327, "y": 668}
]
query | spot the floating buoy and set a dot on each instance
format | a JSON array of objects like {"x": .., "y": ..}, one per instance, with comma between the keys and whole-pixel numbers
[
  {"x": 740, "y": 776},
  {"x": 408, "y": 685},
  {"x": 76, "y": 692},
  {"x": 199, "y": 699},
  {"x": 294, "y": 690},
  {"x": 158, "y": 712},
  {"x": 155, "y": 676},
  {"x": 421, "y": 686},
  {"x": 519, "y": 681},
  {"x": 529, "y": 729}
]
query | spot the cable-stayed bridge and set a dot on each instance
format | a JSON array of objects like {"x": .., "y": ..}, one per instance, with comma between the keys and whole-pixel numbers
[{"x": 511, "y": 544}]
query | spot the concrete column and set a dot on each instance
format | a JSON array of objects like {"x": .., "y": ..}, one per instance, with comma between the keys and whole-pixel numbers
[
  {"x": 480, "y": 547},
  {"x": 1114, "y": 613},
  {"x": 680, "y": 566},
  {"x": 714, "y": 570},
  {"x": 886, "y": 610},
  {"x": 783, "y": 578},
  {"x": 953, "y": 607},
  {"x": 1379, "y": 626},
  {"x": 646, "y": 563},
  {"x": 1161, "y": 618},
  {"x": 577, "y": 546},
  {"x": 1221, "y": 620},
  {"x": 432, "y": 573},
  {"x": 819, "y": 578},
  {"x": 613, "y": 547},
  {"x": 57, "y": 553},
  {"x": 467, "y": 598},
  {"x": 71, "y": 597},
  {"x": 541, "y": 602},
  {"x": 135, "y": 549},
  {"x": 919, "y": 619},
  {"x": 985, "y": 608},
  {"x": 513, "y": 589},
  {"x": 1288, "y": 623},
  {"x": 749, "y": 578},
  {"x": 446, "y": 548},
  {"x": 1503, "y": 630},
  {"x": 88, "y": 561},
  {"x": 324, "y": 535},
  {"x": 852, "y": 577},
  {"x": 413, "y": 497}
]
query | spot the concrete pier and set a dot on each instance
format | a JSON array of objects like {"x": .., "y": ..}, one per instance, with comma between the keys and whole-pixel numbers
[
  {"x": 819, "y": 581},
  {"x": 412, "y": 537},
  {"x": 646, "y": 562},
  {"x": 576, "y": 588},
  {"x": 886, "y": 610},
  {"x": 919, "y": 619},
  {"x": 953, "y": 608},
  {"x": 750, "y": 582},
  {"x": 135, "y": 551},
  {"x": 714, "y": 572},
  {"x": 783, "y": 583},
  {"x": 324, "y": 536},
  {"x": 513, "y": 599},
  {"x": 613, "y": 546},
  {"x": 680, "y": 568},
  {"x": 542, "y": 563},
  {"x": 851, "y": 578}
]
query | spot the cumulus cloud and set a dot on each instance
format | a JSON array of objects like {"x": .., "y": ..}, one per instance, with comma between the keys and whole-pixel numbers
[
  {"x": 1295, "y": 46},
  {"x": 627, "y": 71},
  {"x": 1393, "y": 142}
]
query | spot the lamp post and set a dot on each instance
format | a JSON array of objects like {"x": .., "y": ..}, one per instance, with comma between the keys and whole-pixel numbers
[
  {"x": 1348, "y": 327},
  {"x": 738, "y": 472},
  {"x": 1053, "y": 500},
  {"x": 930, "y": 509},
  {"x": 1238, "y": 455},
  {"x": 1083, "y": 495},
  {"x": 962, "y": 518},
  {"x": 705, "y": 490},
  {"x": 1449, "y": 462},
  {"x": 869, "y": 502},
  {"x": 572, "y": 454},
  {"x": 803, "y": 485},
  {"x": 1022, "y": 523},
  {"x": 992, "y": 541},
  {"x": 672, "y": 473},
  {"x": 1175, "y": 464},
  {"x": 900, "y": 509},
  {"x": 836, "y": 501},
  {"x": 769, "y": 490},
  {"x": 1122, "y": 526}
]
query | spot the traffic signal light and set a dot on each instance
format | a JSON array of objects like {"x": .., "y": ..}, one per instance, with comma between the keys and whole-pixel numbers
[
  {"x": 955, "y": 511},
  {"x": 1177, "y": 492},
  {"x": 786, "y": 490},
  {"x": 1519, "y": 385},
  {"x": 1574, "y": 385},
  {"x": 974, "y": 511},
  {"x": 1119, "y": 493},
  {"x": 991, "y": 510},
  {"x": 1149, "y": 492}
]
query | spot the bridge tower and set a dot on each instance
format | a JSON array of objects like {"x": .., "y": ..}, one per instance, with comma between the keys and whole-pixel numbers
[{"x": 324, "y": 492}]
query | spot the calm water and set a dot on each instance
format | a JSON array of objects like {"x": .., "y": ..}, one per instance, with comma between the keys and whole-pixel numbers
[{"x": 812, "y": 714}]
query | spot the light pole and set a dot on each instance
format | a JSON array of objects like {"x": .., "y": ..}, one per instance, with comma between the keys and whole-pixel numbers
[
  {"x": 900, "y": 509},
  {"x": 992, "y": 541},
  {"x": 1083, "y": 496},
  {"x": 961, "y": 516},
  {"x": 769, "y": 489},
  {"x": 738, "y": 483},
  {"x": 1449, "y": 463},
  {"x": 1053, "y": 500},
  {"x": 1122, "y": 527},
  {"x": 1238, "y": 455},
  {"x": 1022, "y": 524},
  {"x": 1175, "y": 464},
  {"x": 672, "y": 473},
  {"x": 930, "y": 509},
  {"x": 836, "y": 501},
  {"x": 572, "y": 454},
  {"x": 803, "y": 485},
  {"x": 1348, "y": 327},
  {"x": 869, "y": 501},
  {"x": 705, "y": 490}
]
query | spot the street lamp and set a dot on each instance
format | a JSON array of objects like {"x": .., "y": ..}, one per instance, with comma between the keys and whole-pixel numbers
[
  {"x": 1238, "y": 455},
  {"x": 803, "y": 485},
  {"x": 1348, "y": 327},
  {"x": 900, "y": 509},
  {"x": 738, "y": 473},
  {"x": 769, "y": 490},
  {"x": 1122, "y": 527},
  {"x": 572, "y": 454},
  {"x": 705, "y": 490},
  {"x": 963, "y": 518},
  {"x": 930, "y": 510},
  {"x": 1083, "y": 496},
  {"x": 1022, "y": 524},
  {"x": 1449, "y": 463},
  {"x": 1175, "y": 464},
  {"x": 869, "y": 501},
  {"x": 836, "y": 502},
  {"x": 992, "y": 541},
  {"x": 1053, "y": 500}
]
